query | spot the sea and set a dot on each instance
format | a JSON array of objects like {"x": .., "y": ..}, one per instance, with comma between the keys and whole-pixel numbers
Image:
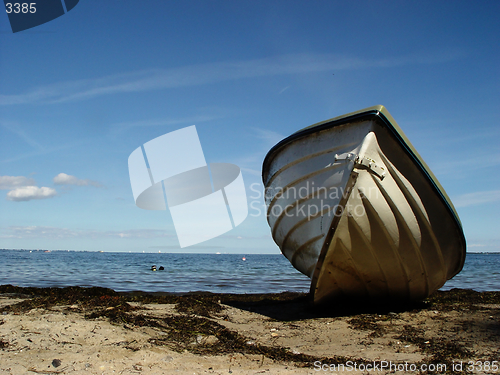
[{"x": 217, "y": 273}]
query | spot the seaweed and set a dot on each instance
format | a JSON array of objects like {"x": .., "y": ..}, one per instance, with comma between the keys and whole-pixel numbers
[
  {"x": 194, "y": 327},
  {"x": 49, "y": 297},
  {"x": 370, "y": 322},
  {"x": 441, "y": 351},
  {"x": 461, "y": 298},
  {"x": 187, "y": 333},
  {"x": 364, "y": 322},
  {"x": 194, "y": 305},
  {"x": 190, "y": 330}
]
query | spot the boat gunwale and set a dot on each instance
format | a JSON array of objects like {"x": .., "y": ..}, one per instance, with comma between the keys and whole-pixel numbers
[{"x": 378, "y": 113}]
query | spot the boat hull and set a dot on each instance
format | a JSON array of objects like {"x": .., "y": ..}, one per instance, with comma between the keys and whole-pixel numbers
[{"x": 352, "y": 206}]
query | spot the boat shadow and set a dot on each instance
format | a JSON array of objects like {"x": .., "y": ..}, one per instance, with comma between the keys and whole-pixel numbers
[{"x": 297, "y": 306}]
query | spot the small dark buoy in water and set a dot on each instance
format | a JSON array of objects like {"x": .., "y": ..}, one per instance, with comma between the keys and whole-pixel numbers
[
  {"x": 161, "y": 268},
  {"x": 153, "y": 268}
]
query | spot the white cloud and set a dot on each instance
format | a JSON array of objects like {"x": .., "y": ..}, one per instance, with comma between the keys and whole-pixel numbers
[
  {"x": 13, "y": 182},
  {"x": 475, "y": 199},
  {"x": 66, "y": 179},
  {"x": 27, "y": 193},
  {"x": 24, "y": 189}
]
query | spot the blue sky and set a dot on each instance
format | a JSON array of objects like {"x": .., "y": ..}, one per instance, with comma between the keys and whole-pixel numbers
[{"x": 80, "y": 93}]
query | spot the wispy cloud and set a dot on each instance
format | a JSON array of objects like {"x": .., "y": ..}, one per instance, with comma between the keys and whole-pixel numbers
[
  {"x": 251, "y": 162},
  {"x": 479, "y": 161},
  {"x": 13, "y": 182},
  {"x": 66, "y": 179},
  {"x": 122, "y": 126},
  {"x": 283, "y": 90},
  {"x": 42, "y": 152},
  {"x": 482, "y": 133},
  {"x": 203, "y": 74},
  {"x": 17, "y": 129},
  {"x": 478, "y": 198},
  {"x": 269, "y": 137},
  {"x": 483, "y": 245},
  {"x": 25, "y": 232},
  {"x": 254, "y": 172}
]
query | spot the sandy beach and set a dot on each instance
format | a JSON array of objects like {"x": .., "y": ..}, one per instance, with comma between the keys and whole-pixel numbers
[{"x": 98, "y": 331}]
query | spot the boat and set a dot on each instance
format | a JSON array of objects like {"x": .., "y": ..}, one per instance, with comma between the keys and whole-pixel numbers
[{"x": 352, "y": 205}]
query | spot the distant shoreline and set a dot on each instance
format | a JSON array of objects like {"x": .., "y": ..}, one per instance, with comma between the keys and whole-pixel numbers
[
  {"x": 140, "y": 252},
  {"x": 182, "y": 252}
]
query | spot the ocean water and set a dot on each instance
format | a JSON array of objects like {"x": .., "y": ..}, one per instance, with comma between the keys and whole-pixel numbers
[{"x": 218, "y": 273}]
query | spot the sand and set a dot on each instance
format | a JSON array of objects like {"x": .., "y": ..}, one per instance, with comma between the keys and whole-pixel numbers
[{"x": 111, "y": 333}]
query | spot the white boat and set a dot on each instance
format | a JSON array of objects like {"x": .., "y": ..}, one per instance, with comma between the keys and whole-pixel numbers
[{"x": 352, "y": 205}]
